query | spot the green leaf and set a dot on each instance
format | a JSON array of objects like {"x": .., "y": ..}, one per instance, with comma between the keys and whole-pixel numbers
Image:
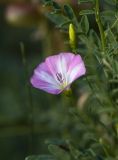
[
  {"x": 106, "y": 110},
  {"x": 74, "y": 152},
  {"x": 55, "y": 142},
  {"x": 114, "y": 92},
  {"x": 108, "y": 16},
  {"x": 84, "y": 25},
  {"x": 110, "y": 2},
  {"x": 58, "y": 19},
  {"x": 56, "y": 6},
  {"x": 58, "y": 152},
  {"x": 47, "y": 2},
  {"x": 108, "y": 13},
  {"x": 110, "y": 36},
  {"x": 84, "y": 39},
  {"x": 86, "y": 12},
  {"x": 40, "y": 157},
  {"x": 70, "y": 14},
  {"x": 69, "y": 11},
  {"x": 85, "y": 1},
  {"x": 94, "y": 39}
]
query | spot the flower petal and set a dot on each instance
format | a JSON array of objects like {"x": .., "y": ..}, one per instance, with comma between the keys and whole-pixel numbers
[
  {"x": 76, "y": 69},
  {"x": 59, "y": 63},
  {"x": 42, "y": 79}
]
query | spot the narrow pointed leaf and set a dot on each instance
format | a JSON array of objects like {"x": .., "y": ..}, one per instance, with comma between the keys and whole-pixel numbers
[
  {"x": 40, "y": 157},
  {"x": 58, "y": 152},
  {"x": 85, "y": 1},
  {"x": 85, "y": 12},
  {"x": 58, "y": 19},
  {"x": 84, "y": 25},
  {"x": 70, "y": 14}
]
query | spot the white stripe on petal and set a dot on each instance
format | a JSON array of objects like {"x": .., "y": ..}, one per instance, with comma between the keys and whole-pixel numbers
[
  {"x": 46, "y": 78},
  {"x": 62, "y": 66},
  {"x": 76, "y": 72}
]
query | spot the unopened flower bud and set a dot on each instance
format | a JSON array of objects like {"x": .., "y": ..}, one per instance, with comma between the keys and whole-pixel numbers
[{"x": 72, "y": 37}]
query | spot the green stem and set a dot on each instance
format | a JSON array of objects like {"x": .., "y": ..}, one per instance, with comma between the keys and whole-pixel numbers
[
  {"x": 100, "y": 26},
  {"x": 104, "y": 147},
  {"x": 30, "y": 101},
  {"x": 69, "y": 96}
]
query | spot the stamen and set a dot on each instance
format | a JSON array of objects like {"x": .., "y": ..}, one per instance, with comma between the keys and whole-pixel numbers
[{"x": 59, "y": 77}]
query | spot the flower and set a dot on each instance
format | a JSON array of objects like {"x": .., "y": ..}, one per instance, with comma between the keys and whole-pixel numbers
[{"x": 57, "y": 72}]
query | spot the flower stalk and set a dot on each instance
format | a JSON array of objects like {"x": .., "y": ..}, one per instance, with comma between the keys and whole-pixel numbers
[{"x": 29, "y": 97}]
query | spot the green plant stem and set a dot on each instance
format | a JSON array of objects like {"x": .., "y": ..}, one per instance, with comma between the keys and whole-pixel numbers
[
  {"x": 106, "y": 152},
  {"x": 29, "y": 98},
  {"x": 100, "y": 26},
  {"x": 104, "y": 147},
  {"x": 69, "y": 96},
  {"x": 102, "y": 34}
]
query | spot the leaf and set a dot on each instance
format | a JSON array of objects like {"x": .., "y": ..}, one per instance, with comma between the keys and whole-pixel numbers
[
  {"x": 84, "y": 24},
  {"x": 108, "y": 13},
  {"x": 110, "y": 2},
  {"x": 106, "y": 110},
  {"x": 55, "y": 142},
  {"x": 84, "y": 1},
  {"x": 108, "y": 16},
  {"x": 94, "y": 39},
  {"x": 70, "y": 13},
  {"x": 111, "y": 37},
  {"x": 56, "y": 6},
  {"x": 114, "y": 92},
  {"x": 86, "y": 12},
  {"x": 74, "y": 152},
  {"x": 58, "y": 19},
  {"x": 84, "y": 39},
  {"x": 40, "y": 157},
  {"x": 47, "y": 2},
  {"x": 58, "y": 152}
]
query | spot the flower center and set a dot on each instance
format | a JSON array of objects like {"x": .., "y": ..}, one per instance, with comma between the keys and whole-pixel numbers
[{"x": 59, "y": 77}]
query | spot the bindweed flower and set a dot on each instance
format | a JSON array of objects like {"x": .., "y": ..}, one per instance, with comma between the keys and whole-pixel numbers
[{"x": 57, "y": 72}]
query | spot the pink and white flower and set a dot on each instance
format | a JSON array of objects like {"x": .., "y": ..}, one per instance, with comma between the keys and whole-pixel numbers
[{"x": 57, "y": 72}]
